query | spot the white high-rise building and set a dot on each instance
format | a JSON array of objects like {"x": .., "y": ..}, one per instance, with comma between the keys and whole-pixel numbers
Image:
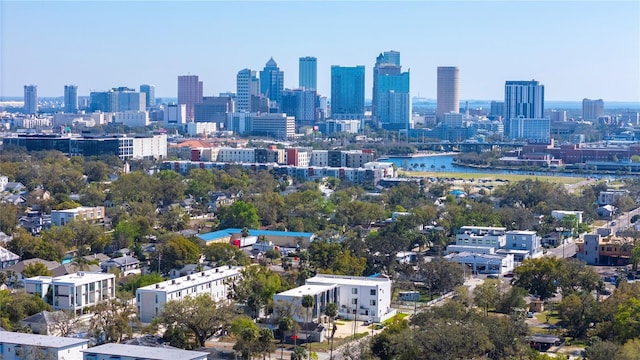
[
  {"x": 523, "y": 98},
  {"x": 247, "y": 85},
  {"x": 530, "y": 129},
  {"x": 70, "y": 99},
  {"x": 30, "y": 99}
]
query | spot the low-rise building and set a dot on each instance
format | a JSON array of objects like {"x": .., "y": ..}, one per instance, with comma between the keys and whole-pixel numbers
[
  {"x": 494, "y": 237},
  {"x": 484, "y": 263},
  {"x": 73, "y": 292},
  {"x": 7, "y": 258},
  {"x": 63, "y": 217},
  {"x": 151, "y": 299},
  {"x": 123, "y": 264},
  {"x": 560, "y": 214},
  {"x": 135, "y": 352},
  {"x": 523, "y": 240},
  {"x": 18, "y": 346},
  {"x": 278, "y": 238}
]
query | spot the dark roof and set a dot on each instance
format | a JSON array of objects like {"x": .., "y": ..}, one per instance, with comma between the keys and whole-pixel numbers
[{"x": 19, "y": 267}]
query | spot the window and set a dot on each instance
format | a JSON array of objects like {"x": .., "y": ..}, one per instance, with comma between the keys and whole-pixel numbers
[
  {"x": 156, "y": 298},
  {"x": 372, "y": 302},
  {"x": 354, "y": 301},
  {"x": 372, "y": 292},
  {"x": 354, "y": 291}
]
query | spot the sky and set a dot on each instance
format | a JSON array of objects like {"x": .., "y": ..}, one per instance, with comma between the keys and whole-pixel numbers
[{"x": 577, "y": 49}]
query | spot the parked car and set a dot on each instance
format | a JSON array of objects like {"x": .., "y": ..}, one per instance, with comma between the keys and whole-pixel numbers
[{"x": 493, "y": 276}]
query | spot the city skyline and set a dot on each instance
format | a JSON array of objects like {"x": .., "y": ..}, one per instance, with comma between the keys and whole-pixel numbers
[{"x": 593, "y": 55}]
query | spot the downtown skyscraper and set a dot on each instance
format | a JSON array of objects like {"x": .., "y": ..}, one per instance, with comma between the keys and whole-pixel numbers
[
  {"x": 347, "y": 92},
  {"x": 272, "y": 82},
  {"x": 448, "y": 90},
  {"x": 391, "y": 107},
  {"x": 592, "y": 109},
  {"x": 70, "y": 99},
  {"x": 523, "y": 98},
  {"x": 30, "y": 99},
  {"x": 308, "y": 73},
  {"x": 189, "y": 93},
  {"x": 247, "y": 85},
  {"x": 150, "y": 94}
]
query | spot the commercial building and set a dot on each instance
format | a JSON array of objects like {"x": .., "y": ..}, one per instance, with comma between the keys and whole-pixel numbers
[
  {"x": 117, "y": 100},
  {"x": 214, "y": 109},
  {"x": 272, "y": 82},
  {"x": 486, "y": 236},
  {"x": 337, "y": 126},
  {"x": 358, "y": 298},
  {"x": 521, "y": 128},
  {"x": 347, "y": 92},
  {"x": 247, "y": 85},
  {"x": 63, "y": 217},
  {"x": 123, "y": 146},
  {"x": 479, "y": 263},
  {"x": 30, "y": 99},
  {"x": 70, "y": 99},
  {"x": 19, "y": 346},
  {"x": 301, "y": 104},
  {"x": 175, "y": 115},
  {"x": 275, "y": 125},
  {"x": 150, "y": 95},
  {"x": 387, "y": 63},
  {"x": 393, "y": 101},
  {"x": 135, "y": 352},
  {"x": 448, "y": 100},
  {"x": 215, "y": 283},
  {"x": 73, "y": 292},
  {"x": 592, "y": 109},
  {"x": 523, "y": 240},
  {"x": 308, "y": 73},
  {"x": 189, "y": 93},
  {"x": 523, "y": 98},
  {"x": 132, "y": 118}
]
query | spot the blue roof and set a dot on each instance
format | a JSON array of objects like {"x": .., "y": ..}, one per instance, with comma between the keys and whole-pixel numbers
[{"x": 228, "y": 232}]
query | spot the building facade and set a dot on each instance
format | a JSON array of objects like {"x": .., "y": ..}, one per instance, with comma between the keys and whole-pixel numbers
[
  {"x": 387, "y": 63},
  {"x": 150, "y": 299},
  {"x": 114, "y": 351},
  {"x": 63, "y": 217},
  {"x": 521, "y": 128},
  {"x": 301, "y": 104},
  {"x": 275, "y": 125},
  {"x": 247, "y": 85},
  {"x": 448, "y": 99},
  {"x": 592, "y": 109},
  {"x": 214, "y": 109},
  {"x": 19, "y": 346},
  {"x": 189, "y": 93},
  {"x": 347, "y": 92},
  {"x": 308, "y": 73},
  {"x": 272, "y": 82},
  {"x": 150, "y": 95},
  {"x": 523, "y": 98},
  {"x": 485, "y": 236},
  {"x": 30, "y": 99},
  {"x": 70, "y": 99},
  {"x": 73, "y": 292}
]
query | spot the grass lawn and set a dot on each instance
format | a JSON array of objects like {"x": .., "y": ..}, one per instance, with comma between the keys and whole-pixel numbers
[
  {"x": 510, "y": 177},
  {"x": 542, "y": 317},
  {"x": 398, "y": 316}
]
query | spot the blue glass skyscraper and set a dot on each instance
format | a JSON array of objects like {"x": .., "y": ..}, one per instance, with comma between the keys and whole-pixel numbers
[
  {"x": 347, "y": 92},
  {"x": 272, "y": 81},
  {"x": 393, "y": 101}
]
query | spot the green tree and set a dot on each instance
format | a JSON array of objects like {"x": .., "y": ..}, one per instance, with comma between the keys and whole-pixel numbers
[
  {"x": 331, "y": 311},
  {"x": 627, "y": 320},
  {"x": 225, "y": 254},
  {"x": 539, "y": 276},
  {"x": 601, "y": 350},
  {"x": 285, "y": 324},
  {"x": 199, "y": 315},
  {"x": 578, "y": 311},
  {"x": 487, "y": 294},
  {"x": 112, "y": 321},
  {"x": 307, "y": 302},
  {"x": 176, "y": 251},
  {"x": 35, "y": 269},
  {"x": 256, "y": 287},
  {"x": 575, "y": 276},
  {"x": 125, "y": 234},
  {"x": 247, "y": 336},
  {"x": 171, "y": 188},
  {"x": 96, "y": 170},
  {"x": 239, "y": 215},
  {"x": 8, "y": 218},
  {"x": 137, "y": 281},
  {"x": 630, "y": 350}
]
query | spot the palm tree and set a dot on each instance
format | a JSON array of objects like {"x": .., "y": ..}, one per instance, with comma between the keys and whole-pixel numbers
[
  {"x": 284, "y": 324},
  {"x": 83, "y": 264},
  {"x": 331, "y": 311},
  {"x": 307, "y": 303}
]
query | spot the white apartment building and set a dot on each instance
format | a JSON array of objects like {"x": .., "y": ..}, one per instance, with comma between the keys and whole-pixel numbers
[
  {"x": 63, "y": 217},
  {"x": 560, "y": 214},
  {"x": 236, "y": 155},
  {"x": 74, "y": 291},
  {"x": 526, "y": 240},
  {"x": 365, "y": 298},
  {"x": 201, "y": 128},
  {"x": 132, "y": 118},
  {"x": 151, "y": 299},
  {"x": 482, "y": 236},
  {"x": 322, "y": 295},
  {"x": 150, "y": 147},
  {"x": 135, "y": 352},
  {"x": 19, "y": 346}
]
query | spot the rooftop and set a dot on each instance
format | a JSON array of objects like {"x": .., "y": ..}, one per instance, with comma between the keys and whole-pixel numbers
[
  {"x": 308, "y": 289},
  {"x": 40, "y": 340},
  {"x": 194, "y": 279},
  {"x": 228, "y": 232},
  {"x": 347, "y": 280},
  {"x": 81, "y": 276},
  {"x": 145, "y": 352}
]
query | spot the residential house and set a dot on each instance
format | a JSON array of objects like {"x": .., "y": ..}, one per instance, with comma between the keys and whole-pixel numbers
[
  {"x": 219, "y": 199},
  {"x": 125, "y": 264},
  {"x": 19, "y": 346},
  {"x": 135, "y": 352},
  {"x": 62, "y": 217},
  {"x": 7, "y": 258},
  {"x": 74, "y": 291},
  {"x": 609, "y": 197},
  {"x": 188, "y": 269},
  {"x": 19, "y": 267},
  {"x": 15, "y": 187},
  {"x": 40, "y": 323},
  {"x": 151, "y": 299}
]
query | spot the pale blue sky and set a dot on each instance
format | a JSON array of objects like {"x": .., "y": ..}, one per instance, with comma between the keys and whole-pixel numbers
[{"x": 576, "y": 49}]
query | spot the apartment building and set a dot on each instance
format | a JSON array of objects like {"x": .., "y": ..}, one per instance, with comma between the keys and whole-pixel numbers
[
  {"x": 18, "y": 346},
  {"x": 494, "y": 237},
  {"x": 63, "y": 217},
  {"x": 73, "y": 292},
  {"x": 358, "y": 297},
  {"x": 135, "y": 352},
  {"x": 151, "y": 299}
]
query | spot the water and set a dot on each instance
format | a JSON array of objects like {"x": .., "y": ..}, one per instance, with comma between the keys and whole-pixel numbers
[{"x": 444, "y": 163}]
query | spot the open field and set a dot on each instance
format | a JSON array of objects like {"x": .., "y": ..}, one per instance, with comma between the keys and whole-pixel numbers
[{"x": 510, "y": 177}]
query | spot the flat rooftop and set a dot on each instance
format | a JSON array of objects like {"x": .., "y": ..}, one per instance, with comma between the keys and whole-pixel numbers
[
  {"x": 195, "y": 279},
  {"x": 347, "y": 280},
  {"x": 145, "y": 352},
  {"x": 7, "y": 337},
  {"x": 81, "y": 277},
  {"x": 228, "y": 232},
  {"x": 309, "y": 289}
]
